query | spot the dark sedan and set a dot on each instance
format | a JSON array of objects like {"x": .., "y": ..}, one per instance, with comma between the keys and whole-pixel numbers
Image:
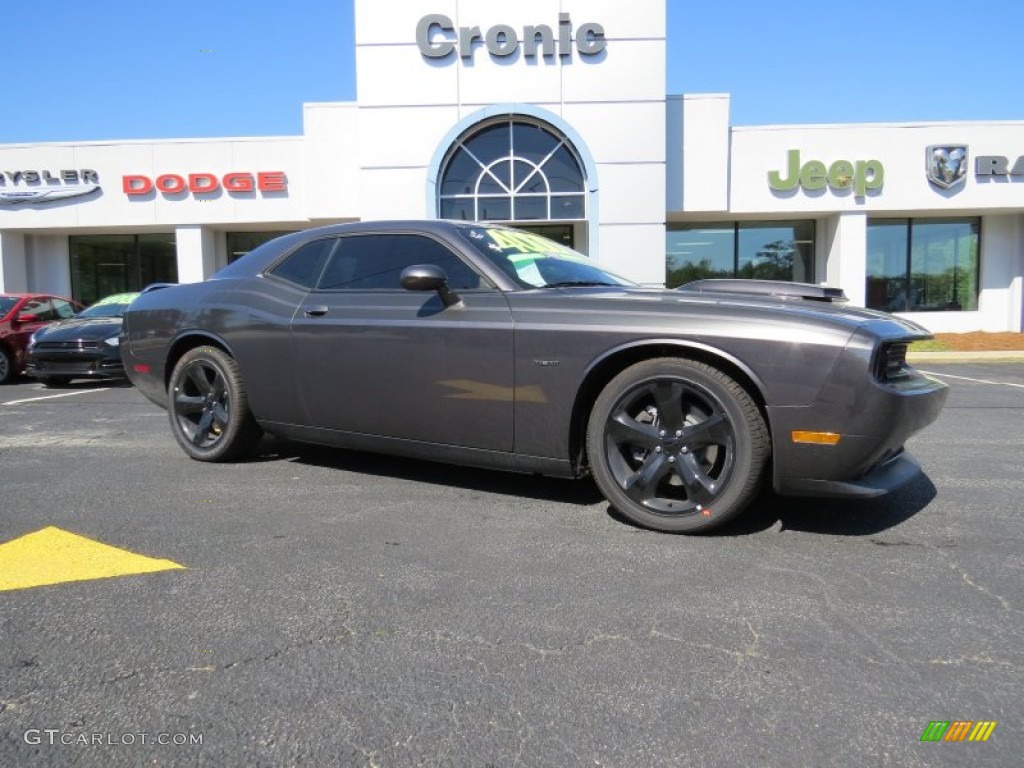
[
  {"x": 86, "y": 346},
  {"x": 482, "y": 345}
]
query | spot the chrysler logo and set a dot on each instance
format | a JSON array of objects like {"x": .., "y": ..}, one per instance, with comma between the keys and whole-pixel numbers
[
  {"x": 43, "y": 186},
  {"x": 946, "y": 165},
  {"x": 45, "y": 194}
]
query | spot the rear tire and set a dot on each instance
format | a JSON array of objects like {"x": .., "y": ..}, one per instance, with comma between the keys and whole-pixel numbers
[
  {"x": 677, "y": 446},
  {"x": 208, "y": 407}
]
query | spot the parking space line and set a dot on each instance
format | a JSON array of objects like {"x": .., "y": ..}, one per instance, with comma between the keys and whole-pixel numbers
[
  {"x": 976, "y": 381},
  {"x": 51, "y": 397}
]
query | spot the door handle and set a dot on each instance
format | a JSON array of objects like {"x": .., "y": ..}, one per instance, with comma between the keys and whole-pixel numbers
[{"x": 316, "y": 312}]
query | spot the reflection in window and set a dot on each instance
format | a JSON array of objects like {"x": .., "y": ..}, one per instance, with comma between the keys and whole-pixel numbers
[
  {"x": 39, "y": 309},
  {"x": 923, "y": 265},
  {"x": 304, "y": 265},
  {"x": 512, "y": 170},
  {"x": 758, "y": 250},
  {"x": 102, "y": 265},
  {"x": 240, "y": 243},
  {"x": 376, "y": 262}
]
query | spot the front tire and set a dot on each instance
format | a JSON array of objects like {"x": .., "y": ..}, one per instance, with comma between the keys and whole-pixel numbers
[
  {"x": 6, "y": 366},
  {"x": 208, "y": 407},
  {"x": 677, "y": 446}
]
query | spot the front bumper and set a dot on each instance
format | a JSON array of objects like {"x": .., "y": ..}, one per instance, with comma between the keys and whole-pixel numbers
[
  {"x": 86, "y": 360},
  {"x": 883, "y": 478},
  {"x": 874, "y": 419}
]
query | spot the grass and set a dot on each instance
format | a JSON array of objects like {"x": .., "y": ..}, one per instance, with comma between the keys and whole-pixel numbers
[
  {"x": 932, "y": 345},
  {"x": 976, "y": 341}
]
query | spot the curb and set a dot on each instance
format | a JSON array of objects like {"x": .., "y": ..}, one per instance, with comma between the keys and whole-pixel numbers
[{"x": 988, "y": 356}]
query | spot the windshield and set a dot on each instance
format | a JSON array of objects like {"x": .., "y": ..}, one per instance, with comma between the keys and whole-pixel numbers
[
  {"x": 111, "y": 306},
  {"x": 7, "y": 304},
  {"x": 534, "y": 261}
]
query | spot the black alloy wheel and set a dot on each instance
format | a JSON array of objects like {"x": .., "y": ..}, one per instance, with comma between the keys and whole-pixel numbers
[
  {"x": 208, "y": 408},
  {"x": 676, "y": 445}
]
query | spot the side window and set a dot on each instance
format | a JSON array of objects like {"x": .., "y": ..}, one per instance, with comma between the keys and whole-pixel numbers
[
  {"x": 375, "y": 262},
  {"x": 303, "y": 266},
  {"x": 63, "y": 309},
  {"x": 40, "y": 308}
]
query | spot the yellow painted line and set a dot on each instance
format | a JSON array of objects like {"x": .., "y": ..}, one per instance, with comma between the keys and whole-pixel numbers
[{"x": 53, "y": 556}]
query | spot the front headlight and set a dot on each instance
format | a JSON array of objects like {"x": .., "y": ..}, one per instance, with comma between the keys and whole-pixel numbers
[
  {"x": 32, "y": 340},
  {"x": 112, "y": 341}
]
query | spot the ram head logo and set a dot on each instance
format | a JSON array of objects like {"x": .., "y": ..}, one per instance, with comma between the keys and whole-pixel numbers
[{"x": 947, "y": 165}]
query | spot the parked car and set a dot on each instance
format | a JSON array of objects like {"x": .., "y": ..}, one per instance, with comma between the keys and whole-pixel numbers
[
  {"x": 86, "y": 346},
  {"x": 21, "y": 315},
  {"x": 482, "y": 345}
]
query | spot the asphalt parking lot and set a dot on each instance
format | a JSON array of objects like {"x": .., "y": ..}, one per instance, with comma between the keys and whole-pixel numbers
[{"x": 344, "y": 609}]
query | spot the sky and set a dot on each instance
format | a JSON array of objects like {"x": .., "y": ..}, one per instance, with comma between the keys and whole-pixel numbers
[{"x": 78, "y": 70}]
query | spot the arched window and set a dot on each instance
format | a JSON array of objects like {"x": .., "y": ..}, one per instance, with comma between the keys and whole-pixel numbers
[{"x": 512, "y": 169}]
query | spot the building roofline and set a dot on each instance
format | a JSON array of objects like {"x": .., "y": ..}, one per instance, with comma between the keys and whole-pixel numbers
[
  {"x": 888, "y": 126},
  {"x": 121, "y": 142}
]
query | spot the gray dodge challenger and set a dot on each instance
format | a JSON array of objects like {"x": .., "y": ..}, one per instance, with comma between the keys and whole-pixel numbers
[{"x": 482, "y": 345}]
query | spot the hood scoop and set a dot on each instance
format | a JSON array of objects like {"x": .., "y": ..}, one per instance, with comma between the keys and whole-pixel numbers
[{"x": 776, "y": 289}]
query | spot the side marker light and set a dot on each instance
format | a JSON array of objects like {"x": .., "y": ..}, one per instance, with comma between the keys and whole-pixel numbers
[{"x": 815, "y": 438}]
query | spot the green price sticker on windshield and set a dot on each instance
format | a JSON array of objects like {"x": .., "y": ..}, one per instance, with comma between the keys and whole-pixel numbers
[{"x": 529, "y": 244}]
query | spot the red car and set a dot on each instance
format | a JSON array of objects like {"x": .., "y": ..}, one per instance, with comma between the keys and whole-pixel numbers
[{"x": 21, "y": 314}]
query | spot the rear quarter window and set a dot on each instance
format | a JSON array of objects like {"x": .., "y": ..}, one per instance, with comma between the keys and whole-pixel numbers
[{"x": 304, "y": 265}]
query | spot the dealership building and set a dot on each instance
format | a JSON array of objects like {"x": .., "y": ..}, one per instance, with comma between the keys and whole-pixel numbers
[{"x": 550, "y": 115}]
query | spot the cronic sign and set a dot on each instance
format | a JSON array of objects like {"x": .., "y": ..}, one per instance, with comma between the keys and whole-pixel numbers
[{"x": 438, "y": 37}]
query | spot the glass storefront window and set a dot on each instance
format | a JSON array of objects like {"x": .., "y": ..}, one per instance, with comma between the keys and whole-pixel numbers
[
  {"x": 887, "y": 264},
  {"x": 158, "y": 259},
  {"x": 697, "y": 251},
  {"x": 560, "y": 233},
  {"x": 240, "y": 243},
  {"x": 777, "y": 250},
  {"x": 923, "y": 265},
  {"x": 512, "y": 170},
  {"x": 102, "y": 265}
]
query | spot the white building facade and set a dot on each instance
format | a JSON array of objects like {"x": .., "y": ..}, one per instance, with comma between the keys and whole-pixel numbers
[{"x": 551, "y": 115}]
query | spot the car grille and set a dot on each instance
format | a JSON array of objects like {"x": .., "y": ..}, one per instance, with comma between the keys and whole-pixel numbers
[
  {"x": 75, "y": 366},
  {"x": 68, "y": 345}
]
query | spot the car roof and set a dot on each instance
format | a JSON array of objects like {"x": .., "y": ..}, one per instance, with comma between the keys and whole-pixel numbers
[
  {"x": 273, "y": 249},
  {"x": 396, "y": 225},
  {"x": 15, "y": 295}
]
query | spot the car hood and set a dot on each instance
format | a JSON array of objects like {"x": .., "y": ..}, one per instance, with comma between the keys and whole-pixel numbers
[
  {"x": 80, "y": 329},
  {"x": 755, "y": 309}
]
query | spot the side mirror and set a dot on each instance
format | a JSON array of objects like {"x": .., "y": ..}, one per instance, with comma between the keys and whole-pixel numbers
[
  {"x": 428, "y": 277},
  {"x": 27, "y": 317}
]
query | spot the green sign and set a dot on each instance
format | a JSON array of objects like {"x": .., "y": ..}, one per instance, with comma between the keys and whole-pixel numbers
[{"x": 861, "y": 175}]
